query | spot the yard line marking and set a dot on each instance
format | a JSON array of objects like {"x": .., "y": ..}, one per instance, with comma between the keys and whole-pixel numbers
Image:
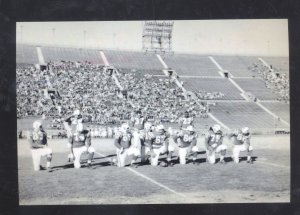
[
  {"x": 217, "y": 65},
  {"x": 40, "y": 55},
  {"x": 106, "y": 63},
  {"x": 162, "y": 61},
  {"x": 264, "y": 62},
  {"x": 218, "y": 121},
  {"x": 272, "y": 114},
  {"x": 155, "y": 182},
  {"x": 272, "y": 164},
  {"x": 146, "y": 177}
]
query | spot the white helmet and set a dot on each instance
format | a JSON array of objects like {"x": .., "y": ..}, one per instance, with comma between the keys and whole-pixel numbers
[
  {"x": 36, "y": 125},
  {"x": 190, "y": 128},
  {"x": 245, "y": 130},
  {"x": 76, "y": 112},
  {"x": 124, "y": 127},
  {"x": 216, "y": 128},
  {"x": 148, "y": 125},
  {"x": 160, "y": 127}
]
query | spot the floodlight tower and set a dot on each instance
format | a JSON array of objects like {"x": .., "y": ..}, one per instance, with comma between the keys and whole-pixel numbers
[{"x": 157, "y": 36}]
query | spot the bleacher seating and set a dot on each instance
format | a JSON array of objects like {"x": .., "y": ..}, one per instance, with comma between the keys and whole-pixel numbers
[
  {"x": 280, "y": 63},
  {"x": 71, "y": 54},
  {"x": 281, "y": 109},
  {"x": 238, "y": 114},
  {"x": 127, "y": 61},
  {"x": 26, "y": 54},
  {"x": 256, "y": 87},
  {"x": 222, "y": 85},
  {"x": 236, "y": 65},
  {"x": 194, "y": 65}
]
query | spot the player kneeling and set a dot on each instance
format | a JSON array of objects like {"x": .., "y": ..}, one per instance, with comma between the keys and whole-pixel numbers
[
  {"x": 39, "y": 146},
  {"x": 213, "y": 142},
  {"x": 125, "y": 149},
  {"x": 241, "y": 143},
  {"x": 81, "y": 143},
  {"x": 159, "y": 146},
  {"x": 186, "y": 141}
]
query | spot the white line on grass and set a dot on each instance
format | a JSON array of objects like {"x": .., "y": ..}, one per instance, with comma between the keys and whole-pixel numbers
[{"x": 149, "y": 179}]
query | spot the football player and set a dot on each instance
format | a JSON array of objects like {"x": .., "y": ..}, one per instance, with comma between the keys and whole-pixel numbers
[
  {"x": 241, "y": 141},
  {"x": 186, "y": 120},
  {"x": 123, "y": 142},
  {"x": 39, "y": 146},
  {"x": 160, "y": 145},
  {"x": 68, "y": 122},
  {"x": 186, "y": 141},
  {"x": 80, "y": 142},
  {"x": 213, "y": 143},
  {"x": 148, "y": 139},
  {"x": 138, "y": 125}
]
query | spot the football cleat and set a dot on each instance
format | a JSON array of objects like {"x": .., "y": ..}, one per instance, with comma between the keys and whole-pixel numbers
[
  {"x": 134, "y": 165},
  {"x": 170, "y": 163}
]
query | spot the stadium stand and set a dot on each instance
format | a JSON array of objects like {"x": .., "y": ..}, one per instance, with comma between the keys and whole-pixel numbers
[
  {"x": 238, "y": 66},
  {"x": 127, "y": 61},
  {"x": 257, "y": 87},
  {"x": 26, "y": 54},
  {"x": 71, "y": 54},
  {"x": 237, "y": 114},
  {"x": 222, "y": 85},
  {"x": 281, "y": 109},
  {"x": 193, "y": 65},
  {"x": 280, "y": 63}
]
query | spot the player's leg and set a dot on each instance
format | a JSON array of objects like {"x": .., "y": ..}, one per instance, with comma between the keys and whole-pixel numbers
[
  {"x": 154, "y": 158},
  {"x": 170, "y": 151},
  {"x": 134, "y": 153},
  {"x": 143, "y": 151},
  {"x": 182, "y": 155},
  {"x": 236, "y": 153},
  {"x": 36, "y": 158},
  {"x": 77, "y": 154},
  {"x": 91, "y": 152},
  {"x": 195, "y": 150},
  {"x": 222, "y": 150},
  {"x": 249, "y": 155},
  {"x": 211, "y": 156},
  {"x": 121, "y": 157},
  {"x": 48, "y": 153}
]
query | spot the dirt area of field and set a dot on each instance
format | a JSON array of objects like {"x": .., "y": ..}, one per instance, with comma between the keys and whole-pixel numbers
[{"x": 267, "y": 180}]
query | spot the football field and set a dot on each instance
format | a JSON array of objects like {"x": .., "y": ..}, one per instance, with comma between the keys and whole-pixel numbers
[{"x": 267, "y": 180}]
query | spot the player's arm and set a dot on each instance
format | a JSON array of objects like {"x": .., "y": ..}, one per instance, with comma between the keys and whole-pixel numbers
[
  {"x": 88, "y": 140},
  {"x": 118, "y": 142},
  {"x": 194, "y": 142}
]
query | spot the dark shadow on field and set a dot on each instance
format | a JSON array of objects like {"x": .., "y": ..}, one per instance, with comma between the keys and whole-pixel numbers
[{"x": 106, "y": 157}]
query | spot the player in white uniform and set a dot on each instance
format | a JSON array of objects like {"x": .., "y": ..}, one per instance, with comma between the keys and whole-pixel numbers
[
  {"x": 124, "y": 148},
  {"x": 186, "y": 141},
  {"x": 160, "y": 145},
  {"x": 80, "y": 141},
  {"x": 241, "y": 141},
  {"x": 39, "y": 146},
  {"x": 213, "y": 143}
]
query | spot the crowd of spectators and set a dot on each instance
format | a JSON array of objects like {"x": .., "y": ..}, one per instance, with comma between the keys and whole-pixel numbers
[
  {"x": 274, "y": 79},
  {"x": 88, "y": 87}
]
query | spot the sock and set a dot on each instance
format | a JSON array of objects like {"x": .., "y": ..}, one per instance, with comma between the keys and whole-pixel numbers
[
  {"x": 221, "y": 157},
  {"x": 91, "y": 156},
  {"x": 248, "y": 157},
  {"x": 48, "y": 164}
]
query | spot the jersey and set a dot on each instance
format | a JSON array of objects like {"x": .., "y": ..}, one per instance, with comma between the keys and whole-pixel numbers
[
  {"x": 186, "y": 121},
  {"x": 138, "y": 123},
  {"x": 213, "y": 138},
  {"x": 81, "y": 139},
  {"x": 123, "y": 140},
  {"x": 38, "y": 139},
  {"x": 160, "y": 140},
  {"x": 186, "y": 139},
  {"x": 237, "y": 138},
  {"x": 149, "y": 138}
]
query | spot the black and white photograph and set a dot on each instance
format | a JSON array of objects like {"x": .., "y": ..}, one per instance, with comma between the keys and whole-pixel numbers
[{"x": 153, "y": 112}]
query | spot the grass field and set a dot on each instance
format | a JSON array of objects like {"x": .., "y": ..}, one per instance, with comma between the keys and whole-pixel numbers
[{"x": 267, "y": 180}]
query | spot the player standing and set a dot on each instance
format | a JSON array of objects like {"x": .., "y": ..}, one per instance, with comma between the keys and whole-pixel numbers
[
  {"x": 81, "y": 143},
  {"x": 186, "y": 141},
  {"x": 213, "y": 143},
  {"x": 241, "y": 141},
  {"x": 123, "y": 142},
  {"x": 138, "y": 124},
  {"x": 39, "y": 146},
  {"x": 186, "y": 120}
]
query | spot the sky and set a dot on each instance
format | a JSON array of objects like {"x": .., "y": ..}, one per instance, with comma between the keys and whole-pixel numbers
[{"x": 265, "y": 37}]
